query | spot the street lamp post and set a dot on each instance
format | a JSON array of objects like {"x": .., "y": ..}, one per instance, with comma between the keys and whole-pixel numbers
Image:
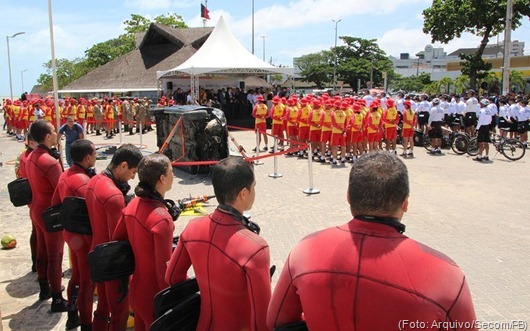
[
  {"x": 263, "y": 46},
  {"x": 335, "y": 53},
  {"x": 22, "y": 78},
  {"x": 9, "y": 62}
]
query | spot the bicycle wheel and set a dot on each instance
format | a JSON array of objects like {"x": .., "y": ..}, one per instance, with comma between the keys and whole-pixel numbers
[
  {"x": 512, "y": 149},
  {"x": 459, "y": 145},
  {"x": 472, "y": 147}
]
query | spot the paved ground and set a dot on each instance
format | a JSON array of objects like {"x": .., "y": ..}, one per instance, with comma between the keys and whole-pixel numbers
[{"x": 476, "y": 213}]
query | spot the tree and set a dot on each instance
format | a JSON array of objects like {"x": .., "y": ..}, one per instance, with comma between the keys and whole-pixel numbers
[
  {"x": 67, "y": 71},
  {"x": 316, "y": 68},
  {"x": 517, "y": 80},
  {"x": 461, "y": 84},
  {"x": 446, "y": 20},
  {"x": 362, "y": 59},
  {"x": 411, "y": 83}
]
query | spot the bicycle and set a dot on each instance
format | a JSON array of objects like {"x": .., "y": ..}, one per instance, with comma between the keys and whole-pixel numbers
[
  {"x": 455, "y": 140},
  {"x": 512, "y": 149}
]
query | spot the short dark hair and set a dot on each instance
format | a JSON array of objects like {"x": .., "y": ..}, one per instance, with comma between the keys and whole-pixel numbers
[
  {"x": 126, "y": 153},
  {"x": 378, "y": 184},
  {"x": 81, "y": 148},
  {"x": 150, "y": 169},
  {"x": 39, "y": 129},
  {"x": 229, "y": 177}
]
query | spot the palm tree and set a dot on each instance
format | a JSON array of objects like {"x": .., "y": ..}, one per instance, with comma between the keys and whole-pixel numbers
[
  {"x": 517, "y": 80},
  {"x": 493, "y": 82},
  {"x": 443, "y": 85},
  {"x": 461, "y": 84}
]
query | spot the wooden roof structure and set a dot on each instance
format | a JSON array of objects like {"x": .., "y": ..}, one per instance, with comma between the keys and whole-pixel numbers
[{"x": 159, "y": 48}]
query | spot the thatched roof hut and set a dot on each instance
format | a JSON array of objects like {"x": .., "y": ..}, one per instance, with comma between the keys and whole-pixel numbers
[{"x": 160, "y": 48}]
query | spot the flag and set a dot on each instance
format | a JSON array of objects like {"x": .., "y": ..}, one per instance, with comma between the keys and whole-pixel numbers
[{"x": 204, "y": 12}]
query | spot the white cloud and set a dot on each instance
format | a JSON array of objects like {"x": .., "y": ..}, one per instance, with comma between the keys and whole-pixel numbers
[
  {"x": 304, "y": 12},
  {"x": 412, "y": 41}
]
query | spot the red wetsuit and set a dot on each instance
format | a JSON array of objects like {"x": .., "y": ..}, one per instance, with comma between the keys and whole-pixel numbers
[
  {"x": 105, "y": 203},
  {"x": 43, "y": 172},
  {"x": 21, "y": 173},
  {"x": 367, "y": 276},
  {"x": 147, "y": 225},
  {"x": 231, "y": 264},
  {"x": 73, "y": 183}
]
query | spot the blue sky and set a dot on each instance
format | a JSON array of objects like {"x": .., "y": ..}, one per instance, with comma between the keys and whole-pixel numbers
[{"x": 291, "y": 28}]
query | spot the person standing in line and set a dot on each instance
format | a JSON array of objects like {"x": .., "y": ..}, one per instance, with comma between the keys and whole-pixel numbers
[
  {"x": 105, "y": 196},
  {"x": 483, "y": 128},
  {"x": 147, "y": 223},
  {"x": 366, "y": 274},
  {"x": 20, "y": 172},
  {"x": 390, "y": 121},
  {"x": 409, "y": 123},
  {"x": 43, "y": 170},
  {"x": 524, "y": 121},
  {"x": 231, "y": 261},
  {"x": 436, "y": 117},
  {"x": 260, "y": 113},
  {"x": 72, "y": 131},
  {"x": 73, "y": 183}
]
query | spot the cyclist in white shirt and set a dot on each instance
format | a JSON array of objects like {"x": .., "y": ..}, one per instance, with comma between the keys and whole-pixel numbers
[
  {"x": 436, "y": 117},
  {"x": 504, "y": 118},
  {"x": 514, "y": 114},
  {"x": 483, "y": 127},
  {"x": 470, "y": 115},
  {"x": 524, "y": 121},
  {"x": 494, "y": 114},
  {"x": 422, "y": 111}
]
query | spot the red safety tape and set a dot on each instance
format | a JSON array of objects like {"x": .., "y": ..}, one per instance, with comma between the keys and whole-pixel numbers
[{"x": 176, "y": 163}]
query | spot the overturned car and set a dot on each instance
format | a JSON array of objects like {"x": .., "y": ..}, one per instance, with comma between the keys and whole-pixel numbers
[{"x": 197, "y": 134}]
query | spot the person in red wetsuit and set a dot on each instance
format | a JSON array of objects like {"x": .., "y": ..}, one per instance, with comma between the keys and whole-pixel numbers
[
  {"x": 230, "y": 260},
  {"x": 43, "y": 171},
  {"x": 105, "y": 198},
  {"x": 20, "y": 172},
  {"x": 148, "y": 226},
  {"x": 73, "y": 183},
  {"x": 365, "y": 274}
]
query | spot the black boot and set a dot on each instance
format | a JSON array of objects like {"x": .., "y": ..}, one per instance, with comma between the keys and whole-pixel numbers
[
  {"x": 45, "y": 291},
  {"x": 131, "y": 131},
  {"x": 98, "y": 133},
  {"x": 59, "y": 304},
  {"x": 86, "y": 327},
  {"x": 73, "y": 320}
]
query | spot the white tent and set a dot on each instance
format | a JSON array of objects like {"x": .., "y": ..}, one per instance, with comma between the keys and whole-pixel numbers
[{"x": 222, "y": 53}]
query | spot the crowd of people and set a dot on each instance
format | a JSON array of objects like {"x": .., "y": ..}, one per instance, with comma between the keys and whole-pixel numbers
[
  {"x": 95, "y": 115},
  {"x": 339, "y": 278},
  {"x": 362, "y": 123}
]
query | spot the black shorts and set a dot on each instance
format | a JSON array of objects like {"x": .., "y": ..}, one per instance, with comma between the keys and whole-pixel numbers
[
  {"x": 423, "y": 118},
  {"x": 456, "y": 119},
  {"x": 470, "y": 119},
  {"x": 436, "y": 131},
  {"x": 483, "y": 135},
  {"x": 503, "y": 123},
  {"x": 494, "y": 121},
  {"x": 514, "y": 125},
  {"x": 447, "y": 119},
  {"x": 522, "y": 127}
]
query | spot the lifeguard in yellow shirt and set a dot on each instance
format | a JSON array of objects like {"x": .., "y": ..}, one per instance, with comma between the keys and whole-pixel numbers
[
  {"x": 390, "y": 121},
  {"x": 260, "y": 113},
  {"x": 338, "y": 134}
]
